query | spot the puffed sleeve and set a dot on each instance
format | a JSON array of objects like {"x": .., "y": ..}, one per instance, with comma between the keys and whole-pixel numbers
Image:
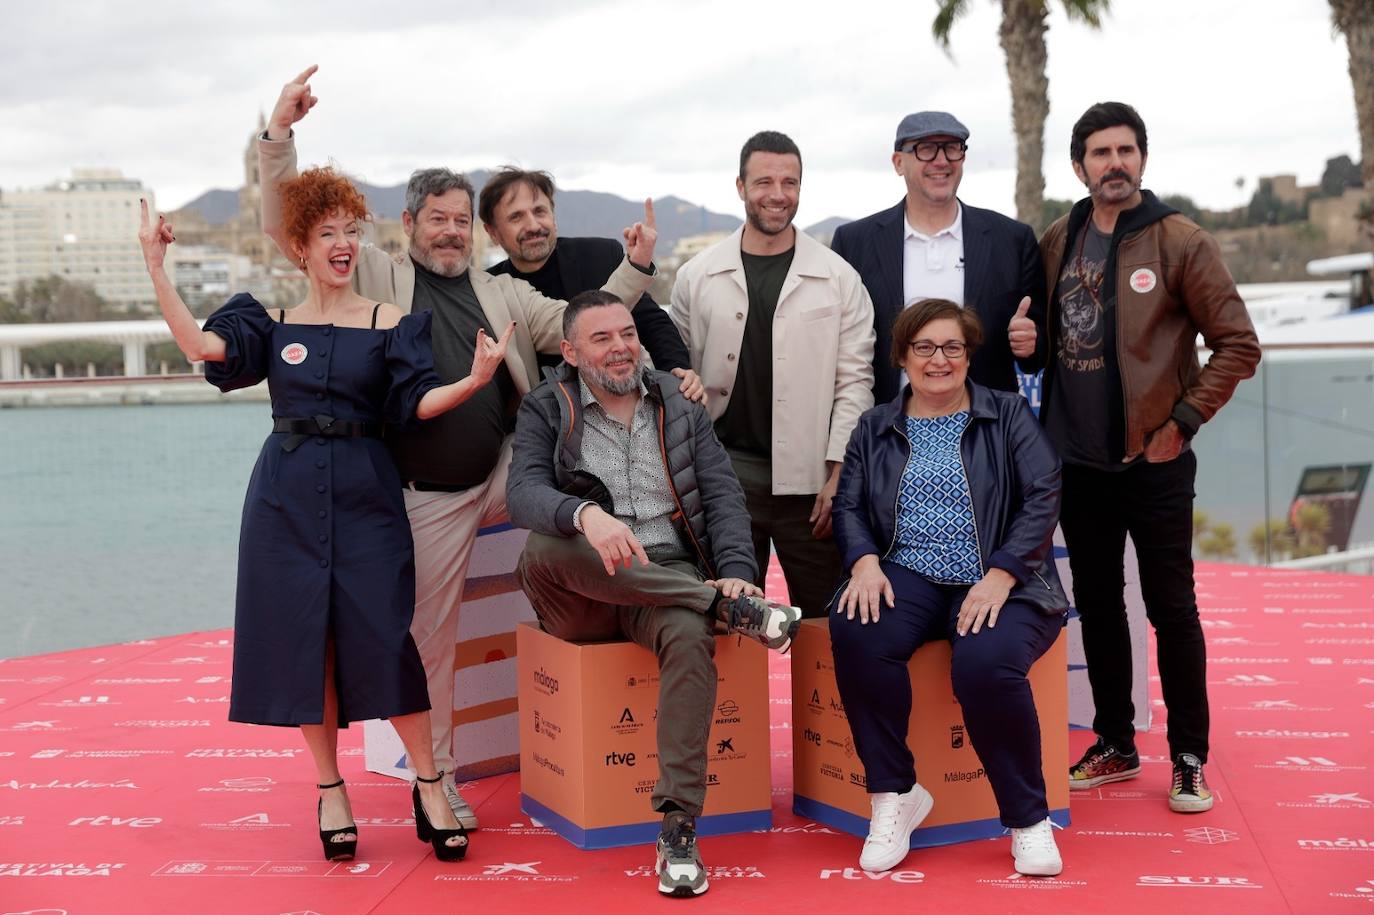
[
  {"x": 246, "y": 328},
  {"x": 410, "y": 362}
]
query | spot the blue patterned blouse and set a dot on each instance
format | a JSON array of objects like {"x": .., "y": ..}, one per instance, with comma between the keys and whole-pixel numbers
[{"x": 935, "y": 531}]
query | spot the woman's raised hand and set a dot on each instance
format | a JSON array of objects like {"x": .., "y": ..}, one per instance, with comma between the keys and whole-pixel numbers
[
  {"x": 293, "y": 104},
  {"x": 489, "y": 353},
  {"x": 153, "y": 238}
]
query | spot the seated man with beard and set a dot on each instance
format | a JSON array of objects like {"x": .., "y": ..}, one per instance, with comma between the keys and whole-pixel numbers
[{"x": 642, "y": 535}]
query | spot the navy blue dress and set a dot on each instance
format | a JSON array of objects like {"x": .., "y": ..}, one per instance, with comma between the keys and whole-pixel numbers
[{"x": 325, "y": 546}]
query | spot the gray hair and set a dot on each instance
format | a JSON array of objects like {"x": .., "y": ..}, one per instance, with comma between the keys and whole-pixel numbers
[{"x": 436, "y": 182}]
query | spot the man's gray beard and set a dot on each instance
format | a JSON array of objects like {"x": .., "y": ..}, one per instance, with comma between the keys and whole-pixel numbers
[
  {"x": 612, "y": 385},
  {"x": 434, "y": 266}
]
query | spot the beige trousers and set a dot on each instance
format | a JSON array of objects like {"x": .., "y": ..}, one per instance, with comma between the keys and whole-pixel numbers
[{"x": 444, "y": 526}]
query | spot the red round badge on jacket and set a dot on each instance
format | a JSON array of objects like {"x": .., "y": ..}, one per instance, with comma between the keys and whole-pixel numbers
[
  {"x": 1143, "y": 280},
  {"x": 294, "y": 353}
]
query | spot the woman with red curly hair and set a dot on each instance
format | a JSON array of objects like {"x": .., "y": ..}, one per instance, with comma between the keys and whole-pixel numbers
[{"x": 326, "y": 580}]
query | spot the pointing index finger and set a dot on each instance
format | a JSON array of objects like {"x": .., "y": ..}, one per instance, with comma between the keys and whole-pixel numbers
[
  {"x": 143, "y": 210},
  {"x": 307, "y": 73},
  {"x": 649, "y": 212}
]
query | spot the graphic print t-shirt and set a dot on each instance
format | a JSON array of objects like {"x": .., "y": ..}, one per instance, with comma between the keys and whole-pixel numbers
[{"x": 1077, "y": 412}]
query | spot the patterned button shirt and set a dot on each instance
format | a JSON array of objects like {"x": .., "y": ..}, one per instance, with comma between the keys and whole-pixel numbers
[
  {"x": 935, "y": 530},
  {"x": 631, "y": 465}
]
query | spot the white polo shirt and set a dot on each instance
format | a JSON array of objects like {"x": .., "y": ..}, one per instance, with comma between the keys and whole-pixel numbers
[{"x": 933, "y": 265}]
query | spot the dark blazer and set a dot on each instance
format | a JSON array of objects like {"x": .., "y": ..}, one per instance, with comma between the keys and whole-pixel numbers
[
  {"x": 1013, "y": 478},
  {"x": 1001, "y": 264},
  {"x": 586, "y": 263}
]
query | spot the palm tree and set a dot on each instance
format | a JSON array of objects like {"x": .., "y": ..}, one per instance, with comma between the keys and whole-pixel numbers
[
  {"x": 1355, "y": 20},
  {"x": 1022, "y": 36}
]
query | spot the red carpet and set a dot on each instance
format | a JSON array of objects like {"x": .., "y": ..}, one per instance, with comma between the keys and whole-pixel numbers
[{"x": 122, "y": 789}]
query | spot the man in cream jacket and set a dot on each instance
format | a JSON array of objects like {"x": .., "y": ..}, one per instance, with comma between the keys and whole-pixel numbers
[{"x": 780, "y": 330}]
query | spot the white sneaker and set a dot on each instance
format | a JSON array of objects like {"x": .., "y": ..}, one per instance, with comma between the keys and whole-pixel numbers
[
  {"x": 1034, "y": 851},
  {"x": 461, "y": 808},
  {"x": 895, "y": 818}
]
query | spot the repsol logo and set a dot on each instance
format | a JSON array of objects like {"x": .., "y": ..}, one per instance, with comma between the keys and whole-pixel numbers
[
  {"x": 811, "y": 736},
  {"x": 545, "y": 682},
  {"x": 620, "y": 759}
]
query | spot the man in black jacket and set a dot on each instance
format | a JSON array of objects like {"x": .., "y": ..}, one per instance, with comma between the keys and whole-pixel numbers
[
  {"x": 931, "y": 245},
  {"x": 639, "y": 531},
  {"x": 516, "y": 208}
]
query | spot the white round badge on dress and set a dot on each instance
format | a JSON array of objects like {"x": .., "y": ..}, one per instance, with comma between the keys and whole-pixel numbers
[
  {"x": 295, "y": 353},
  {"x": 1143, "y": 280}
]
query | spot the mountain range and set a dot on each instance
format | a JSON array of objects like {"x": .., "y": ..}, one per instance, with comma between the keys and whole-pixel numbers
[{"x": 593, "y": 213}]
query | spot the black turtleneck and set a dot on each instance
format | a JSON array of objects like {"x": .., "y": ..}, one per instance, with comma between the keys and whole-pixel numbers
[{"x": 461, "y": 447}]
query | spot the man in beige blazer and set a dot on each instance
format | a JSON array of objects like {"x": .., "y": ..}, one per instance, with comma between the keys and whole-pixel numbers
[
  {"x": 781, "y": 331},
  {"x": 454, "y": 466}
]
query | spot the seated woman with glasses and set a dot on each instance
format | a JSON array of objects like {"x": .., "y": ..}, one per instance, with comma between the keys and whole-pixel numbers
[{"x": 947, "y": 503}]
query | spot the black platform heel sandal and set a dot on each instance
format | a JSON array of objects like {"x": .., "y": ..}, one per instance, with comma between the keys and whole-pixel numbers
[
  {"x": 436, "y": 837},
  {"x": 336, "y": 850}
]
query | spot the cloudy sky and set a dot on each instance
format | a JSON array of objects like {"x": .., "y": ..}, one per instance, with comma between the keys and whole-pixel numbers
[{"x": 643, "y": 97}]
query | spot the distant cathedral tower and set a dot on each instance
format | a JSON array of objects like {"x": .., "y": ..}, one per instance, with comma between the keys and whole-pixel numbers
[{"x": 251, "y": 241}]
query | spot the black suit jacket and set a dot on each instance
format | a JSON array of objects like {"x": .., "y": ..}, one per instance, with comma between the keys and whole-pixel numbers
[
  {"x": 1001, "y": 265},
  {"x": 586, "y": 263}
]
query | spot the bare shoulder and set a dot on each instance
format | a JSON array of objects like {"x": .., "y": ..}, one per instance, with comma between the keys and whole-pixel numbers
[{"x": 388, "y": 316}]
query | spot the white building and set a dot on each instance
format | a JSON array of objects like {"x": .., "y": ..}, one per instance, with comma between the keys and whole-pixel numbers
[
  {"x": 209, "y": 275},
  {"x": 83, "y": 229}
]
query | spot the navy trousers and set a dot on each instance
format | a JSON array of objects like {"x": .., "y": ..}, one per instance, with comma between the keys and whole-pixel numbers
[{"x": 988, "y": 671}]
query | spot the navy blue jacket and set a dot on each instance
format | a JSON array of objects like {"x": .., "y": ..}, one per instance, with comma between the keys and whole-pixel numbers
[
  {"x": 1013, "y": 476},
  {"x": 586, "y": 263},
  {"x": 1001, "y": 265}
]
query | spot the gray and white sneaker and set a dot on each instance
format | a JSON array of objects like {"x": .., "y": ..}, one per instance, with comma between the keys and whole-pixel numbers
[
  {"x": 679, "y": 868},
  {"x": 773, "y": 624},
  {"x": 461, "y": 808}
]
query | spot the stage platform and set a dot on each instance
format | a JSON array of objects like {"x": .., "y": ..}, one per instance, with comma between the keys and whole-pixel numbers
[{"x": 123, "y": 789}]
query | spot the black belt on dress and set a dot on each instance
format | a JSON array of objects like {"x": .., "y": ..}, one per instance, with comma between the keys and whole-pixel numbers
[{"x": 321, "y": 425}]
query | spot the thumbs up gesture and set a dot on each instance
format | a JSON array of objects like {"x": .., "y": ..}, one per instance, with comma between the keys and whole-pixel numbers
[{"x": 1021, "y": 331}]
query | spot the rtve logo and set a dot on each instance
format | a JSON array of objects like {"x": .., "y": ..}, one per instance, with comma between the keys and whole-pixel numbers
[{"x": 620, "y": 759}]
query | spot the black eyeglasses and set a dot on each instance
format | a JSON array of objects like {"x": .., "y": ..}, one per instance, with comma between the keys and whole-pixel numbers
[
  {"x": 927, "y": 151},
  {"x": 954, "y": 349}
]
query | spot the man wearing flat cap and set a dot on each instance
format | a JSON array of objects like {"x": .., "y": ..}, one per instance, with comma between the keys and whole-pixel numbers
[{"x": 931, "y": 245}]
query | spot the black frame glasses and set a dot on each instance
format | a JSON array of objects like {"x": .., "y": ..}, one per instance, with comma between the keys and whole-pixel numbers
[
  {"x": 926, "y": 151},
  {"x": 953, "y": 350}
]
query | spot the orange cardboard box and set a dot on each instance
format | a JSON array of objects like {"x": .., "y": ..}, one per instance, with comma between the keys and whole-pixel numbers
[
  {"x": 828, "y": 777},
  {"x": 588, "y": 753}
]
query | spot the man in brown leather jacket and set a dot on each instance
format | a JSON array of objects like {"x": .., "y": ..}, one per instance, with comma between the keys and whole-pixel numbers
[{"x": 1131, "y": 284}]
